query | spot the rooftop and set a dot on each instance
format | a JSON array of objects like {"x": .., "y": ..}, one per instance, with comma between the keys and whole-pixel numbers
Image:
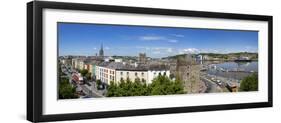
[{"x": 139, "y": 67}]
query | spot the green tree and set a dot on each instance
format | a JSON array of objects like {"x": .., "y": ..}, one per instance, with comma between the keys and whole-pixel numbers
[
  {"x": 89, "y": 75},
  {"x": 249, "y": 83},
  {"x": 84, "y": 72},
  {"x": 172, "y": 76},
  {"x": 143, "y": 80},
  {"x": 137, "y": 80},
  {"x": 161, "y": 85},
  {"x": 98, "y": 82},
  {"x": 66, "y": 90},
  {"x": 111, "y": 89},
  {"x": 178, "y": 87},
  {"x": 60, "y": 70}
]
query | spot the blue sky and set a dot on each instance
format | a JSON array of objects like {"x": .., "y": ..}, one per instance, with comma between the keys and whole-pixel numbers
[{"x": 86, "y": 39}]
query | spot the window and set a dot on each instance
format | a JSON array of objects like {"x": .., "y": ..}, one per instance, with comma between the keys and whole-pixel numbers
[
  {"x": 142, "y": 73},
  {"x": 121, "y": 73},
  {"x": 143, "y": 80},
  {"x": 136, "y": 74}
]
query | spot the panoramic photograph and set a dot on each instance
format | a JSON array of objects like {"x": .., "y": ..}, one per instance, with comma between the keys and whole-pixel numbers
[{"x": 104, "y": 60}]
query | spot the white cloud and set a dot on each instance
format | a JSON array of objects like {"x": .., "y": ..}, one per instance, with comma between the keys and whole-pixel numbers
[
  {"x": 160, "y": 48},
  {"x": 152, "y": 38},
  {"x": 210, "y": 51},
  {"x": 189, "y": 50},
  {"x": 156, "y": 52},
  {"x": 178, "y": 35},
  {"x": 173, "y": 41},
  {"x": 169, "y": 50},
  {"x": 157, "y": 38},
  {"x": 143, "y": 47},
  {"x": 163, "y": 51}
]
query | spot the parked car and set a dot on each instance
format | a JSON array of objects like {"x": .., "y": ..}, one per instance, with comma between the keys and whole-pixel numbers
[{"x": 101, "y": 87}]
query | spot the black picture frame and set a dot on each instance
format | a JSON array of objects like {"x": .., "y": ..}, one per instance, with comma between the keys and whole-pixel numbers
[{"x": 35, "y": 69}]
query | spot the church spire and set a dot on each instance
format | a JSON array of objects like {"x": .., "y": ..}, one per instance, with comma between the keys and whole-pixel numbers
[
  {"x": 101, "y": 53},
  {"x": 101, "y": 46}
]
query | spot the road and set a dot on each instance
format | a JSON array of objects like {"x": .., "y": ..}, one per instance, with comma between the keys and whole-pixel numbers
[
  {"x": 211, "y": 86},
  {"x": 90, "y": 92}
]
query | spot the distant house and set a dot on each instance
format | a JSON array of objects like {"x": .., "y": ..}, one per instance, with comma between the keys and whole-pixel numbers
[
  {"x": 78, "y": 63},
  {"x": 199, "y": 58},
  {"x": 87, "y": 67},
  {"x": 118, "y": 60},
  {"x": 244, "y": 58},
  {"x": 142, "y": 58},
  {"x": 66, "y": 61},
  {"x": 205, "y": 57},
  {"x": 81, "y": 65},
  {"x": 91, "y": 67}
]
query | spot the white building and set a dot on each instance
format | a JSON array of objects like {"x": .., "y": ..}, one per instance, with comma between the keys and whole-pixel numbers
[
  {"x": 104, "y": 73},
  {"x": 74, "y": 63},
  {"x": 118, "y": 60},
  {"x": 116, "y": 72},
  {"x": 81, "y": 64},
  {"x": 78, "y": 63},
  {"x": 131, "y": 74},
  {"x": 154, "y": 71}
]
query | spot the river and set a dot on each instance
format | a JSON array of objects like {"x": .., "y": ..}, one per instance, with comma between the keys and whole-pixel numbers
[{"x": 233, "y": 70}]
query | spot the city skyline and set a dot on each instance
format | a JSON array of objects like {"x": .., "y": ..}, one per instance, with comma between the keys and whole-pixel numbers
[{"x": 156, "y": 42}]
